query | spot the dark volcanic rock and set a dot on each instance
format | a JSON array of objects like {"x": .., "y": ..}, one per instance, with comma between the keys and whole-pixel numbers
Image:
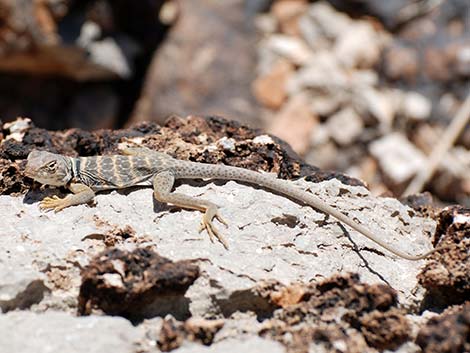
[
  {"x": 447, "y": 275},
  {"x": 131, "y": 283},
  {"x": 448, "y": 332}
]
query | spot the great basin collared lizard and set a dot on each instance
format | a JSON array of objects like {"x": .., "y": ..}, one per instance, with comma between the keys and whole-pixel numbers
[{"x": 142, "y": 166}]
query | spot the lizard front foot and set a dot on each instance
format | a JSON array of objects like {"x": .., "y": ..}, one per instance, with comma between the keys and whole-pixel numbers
[
  {"x": 53, "y": 203},
  {"x": 206, "y": 224}
]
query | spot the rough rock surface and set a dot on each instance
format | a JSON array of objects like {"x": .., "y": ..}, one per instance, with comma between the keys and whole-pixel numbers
[
  {"x": 138, "y": 283},
  {"x": 25, "y": 332},
  {"x": 282, "y": 265},
  {"x": 207, "y": 140},
  {"x": 310, "y": 242},
  {"x": 447, "y": 275},
  {"x": 448, "y": 332},
  {"x": 342, "y": 304},
  {"x": 193, "y": 70}
]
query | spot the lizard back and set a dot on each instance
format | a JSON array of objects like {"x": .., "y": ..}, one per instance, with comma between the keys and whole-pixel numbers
[{"x": 114, "y": 172}]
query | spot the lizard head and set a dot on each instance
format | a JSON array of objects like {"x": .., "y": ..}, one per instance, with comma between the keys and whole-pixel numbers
[{"x": 48, "y": 168}]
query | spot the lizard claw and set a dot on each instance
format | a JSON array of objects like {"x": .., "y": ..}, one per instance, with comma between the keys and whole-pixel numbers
[
  {"x": 221, "y": 219},
  {"x": 206, "y": 224},
  {"x": 53, "y": 203}
]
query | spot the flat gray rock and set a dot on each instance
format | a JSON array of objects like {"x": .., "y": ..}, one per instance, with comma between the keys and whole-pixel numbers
[
  {"x": 26, "y": 332},
  {"x": 270, "y": 237}
]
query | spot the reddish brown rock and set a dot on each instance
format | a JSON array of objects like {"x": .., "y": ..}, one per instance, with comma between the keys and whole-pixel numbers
[
  {"x": 385, "y": 330},
  {"x": 436, "y": 64},
  {"x": 321, "y": 313},
  {"x": 270, "y": 89},
  {"x": 287, "y": 13},
  {"x": 294, "y": 123},
  {"x": 401, "y": 63},
  {"x": 446, "y": 276},
  {"x": 130, "y": 283},
  {"x": 448, "y": 332},
  {"x": 345, "y": 126},
  {"x": 173, "y": 333}
]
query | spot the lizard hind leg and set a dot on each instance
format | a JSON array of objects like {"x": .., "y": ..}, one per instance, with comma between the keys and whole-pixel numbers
[{"x": 162, "y": 185}]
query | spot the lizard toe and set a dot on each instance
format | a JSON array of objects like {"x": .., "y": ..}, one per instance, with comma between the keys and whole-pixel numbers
[
  {"x": 206, "y": 224},
  {"x": 203, "y": 226},
  {"x": 52, "y": 203},
  {"x": 221, "y": 219}
]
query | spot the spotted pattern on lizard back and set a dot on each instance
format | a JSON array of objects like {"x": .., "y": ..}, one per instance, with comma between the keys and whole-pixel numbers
[{"x": 115, "y": 172}]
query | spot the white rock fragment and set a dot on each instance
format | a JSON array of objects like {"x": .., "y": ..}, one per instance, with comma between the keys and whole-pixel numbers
[
  {"x": 113, "y": 280},
  {"x": 111, "y": 54},
  {"x": 345, "y": 126},
  {"x": 463, "y": 59},
  {"x": 130, "y": 142},
  {"x": 263, "y": 139},
  {"x": 361, "y": 78},
  {"x": 359, "y": 46},
  {"x": 457, "y": 163},
  {"x": 461, "y": 219},
  {"x": 377, "y": 103},
  {"x": 320, "y": 135},
  {"x": 266, "y": 24},
  {"x": 89, "y": 32},
  {"x": 291, "y": 48},
  {"x": 323, "y": 156},
  {"x": 323, "y": 72},
  {"x": 17, "y": 128},
  {"x": 398, "y": 158},
  {"x": 331, "y": 22},
  {"x": 114, "y": 54},
  {"x": 266, "y": 59},
  {"x": 324, "y": 105},
  {"x": 415, "y": 106},
  {"x": 312, "y": 35},
  {"x": 227, "y": 144}
]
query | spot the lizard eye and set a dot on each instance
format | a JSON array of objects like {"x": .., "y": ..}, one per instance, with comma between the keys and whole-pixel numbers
[{"x": 52, "y": 165}]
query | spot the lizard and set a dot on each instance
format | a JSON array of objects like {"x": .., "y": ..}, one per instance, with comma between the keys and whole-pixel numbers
[{"x": 141, "y": 166}]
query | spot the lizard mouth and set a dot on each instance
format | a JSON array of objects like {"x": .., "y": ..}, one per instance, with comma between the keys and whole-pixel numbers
[
  {"x": 32, "y": 175},
  {"x": 29, "y": 173}
]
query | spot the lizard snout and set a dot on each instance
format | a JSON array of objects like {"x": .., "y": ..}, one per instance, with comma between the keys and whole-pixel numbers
[{"x": 28, "y": 172}]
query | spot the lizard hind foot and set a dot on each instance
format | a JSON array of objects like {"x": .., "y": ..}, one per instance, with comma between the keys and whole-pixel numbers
[{"x": 206, "y": 224}]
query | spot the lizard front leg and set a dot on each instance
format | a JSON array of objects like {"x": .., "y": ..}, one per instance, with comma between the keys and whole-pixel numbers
[
  {"x": 162, "y": 185},
  {"x": 81, "y": 194}
]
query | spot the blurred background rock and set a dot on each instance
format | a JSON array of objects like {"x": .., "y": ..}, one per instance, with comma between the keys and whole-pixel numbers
[{"x": 367, "y": 87}]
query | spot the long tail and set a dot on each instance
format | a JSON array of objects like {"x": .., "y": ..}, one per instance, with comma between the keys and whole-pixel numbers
[{"x": 210, "y": 171}]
